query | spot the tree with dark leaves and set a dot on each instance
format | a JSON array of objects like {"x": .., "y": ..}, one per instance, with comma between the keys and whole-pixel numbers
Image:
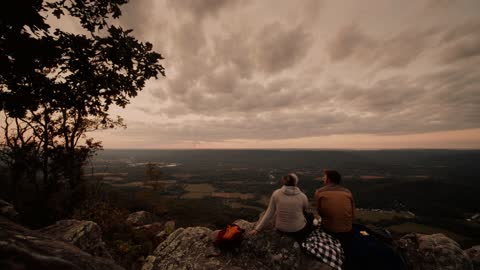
[{"x": 56, "y": 86}]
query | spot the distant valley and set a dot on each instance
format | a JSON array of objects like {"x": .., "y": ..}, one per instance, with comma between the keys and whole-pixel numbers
[{"x": 213, "y": 187}]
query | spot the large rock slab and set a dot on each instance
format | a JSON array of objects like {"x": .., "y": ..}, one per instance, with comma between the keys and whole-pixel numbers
[
  {"x": 192, "y": 248},
  {"x": 22, "y": 248},
  {"x": 435, "y": 251},
  {"x": 140, "y": 218},
  {"x": 86, "y": 235}
]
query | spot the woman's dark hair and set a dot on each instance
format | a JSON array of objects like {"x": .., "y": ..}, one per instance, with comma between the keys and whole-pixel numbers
[
  {"x": 333, "y": 175},
  {"x": 289, "y": 180}
]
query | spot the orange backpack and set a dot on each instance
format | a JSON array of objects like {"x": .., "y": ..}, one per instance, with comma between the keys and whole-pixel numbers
[{"x": 230, "y": 237}]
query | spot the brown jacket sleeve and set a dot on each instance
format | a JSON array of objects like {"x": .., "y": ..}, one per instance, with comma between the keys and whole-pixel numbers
[
  {"x": 317, "y": 201},
  {"x": 353, "y": 208}
]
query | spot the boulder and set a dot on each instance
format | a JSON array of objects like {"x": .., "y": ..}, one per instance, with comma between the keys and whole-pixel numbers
[
  {"x": 86, "y": 235},
  {"x": 160, "y": 237},
  {"x": 435, "y": 251},
  {"x": 140, "y": 218},
  {"x": 150, "y": 230},
  {"x": 22, "y": 248},
  {"x": 168, "y": 228},
  {"x": 192, "y": 248},
  {"x": 474, "y": 254},
  {"x": 247, "y": 226},
  {"x": 7, "y": 210}
]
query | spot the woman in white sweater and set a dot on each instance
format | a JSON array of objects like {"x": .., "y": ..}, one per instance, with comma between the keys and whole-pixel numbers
[{"x": 287, "y": 205}]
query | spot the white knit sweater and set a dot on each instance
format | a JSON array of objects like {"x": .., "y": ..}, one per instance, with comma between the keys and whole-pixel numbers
[{"x": 286, "y": 205}]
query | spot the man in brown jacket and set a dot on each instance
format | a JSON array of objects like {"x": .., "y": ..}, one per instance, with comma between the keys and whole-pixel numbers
[{"x": 335, "y": 205}]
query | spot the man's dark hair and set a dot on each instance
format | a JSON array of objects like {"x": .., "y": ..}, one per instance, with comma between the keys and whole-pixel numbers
[{"x": 333, "y": 175}]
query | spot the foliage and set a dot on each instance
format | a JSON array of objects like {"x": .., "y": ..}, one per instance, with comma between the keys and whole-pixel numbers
[
  {"x": 57, "y": 86},
  {"x": 124, "y": 243},
  {"x": 102, "y": 212},
  {"x": 154, "y": 175}
]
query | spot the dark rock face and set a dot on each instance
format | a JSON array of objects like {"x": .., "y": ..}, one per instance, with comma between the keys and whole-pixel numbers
[
  {"x": 7, "y": 210},
  {"x": 85, "y": 235},
  {"x": 474, "y": 254},
  {"x": 192, "y": 248},
  {"x": 140, "y": 218},
  {"x": 433, "y": 252},
  {"x": 21, "y": 248}
]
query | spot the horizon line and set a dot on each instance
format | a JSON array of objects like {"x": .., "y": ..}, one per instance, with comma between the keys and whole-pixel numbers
[{"x": 300, "y": 149}]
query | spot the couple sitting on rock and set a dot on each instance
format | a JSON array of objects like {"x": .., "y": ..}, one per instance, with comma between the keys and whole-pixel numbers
[{"x": 288, "y": 205}]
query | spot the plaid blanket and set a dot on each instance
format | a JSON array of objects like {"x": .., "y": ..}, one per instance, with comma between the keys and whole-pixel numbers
[{"x": 325, "y": 247}]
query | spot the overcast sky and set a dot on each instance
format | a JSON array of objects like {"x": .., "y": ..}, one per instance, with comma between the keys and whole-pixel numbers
[{"x": 306, "y": 74}]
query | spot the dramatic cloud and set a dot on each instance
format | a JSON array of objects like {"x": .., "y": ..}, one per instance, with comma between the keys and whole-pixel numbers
[
  {"x": 395, "y": 51},
  {"x": 201, "y": 9},
  {"x": 280, "y": 48},
  {"x": 350, "y": 40},
  {"x": 463, "y": 42},
  {"x": 282, "y": 70}
]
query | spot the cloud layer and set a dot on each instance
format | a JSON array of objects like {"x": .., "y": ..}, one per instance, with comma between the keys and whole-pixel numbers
[{"x": 273, "y": 70}]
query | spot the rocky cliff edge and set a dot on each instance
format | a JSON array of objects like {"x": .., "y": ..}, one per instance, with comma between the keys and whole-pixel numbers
[{"x": 74, "y": 244}]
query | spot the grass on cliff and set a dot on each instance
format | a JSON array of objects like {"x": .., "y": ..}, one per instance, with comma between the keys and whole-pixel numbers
[{"x": 124, "y": 244}]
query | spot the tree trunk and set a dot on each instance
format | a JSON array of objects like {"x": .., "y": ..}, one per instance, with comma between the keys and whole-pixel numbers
[{"x": 46, "y": 182}]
